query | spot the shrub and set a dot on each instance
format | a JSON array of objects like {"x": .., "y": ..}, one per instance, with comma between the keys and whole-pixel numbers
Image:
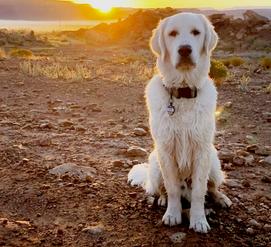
[
  {"x": 234, "y": 61},
  {"x": 218, "y": 71},
  {"x": 56, "y": 70},
  {"x": 266, "y": 62},
  {"x": 23, "y": 53}
]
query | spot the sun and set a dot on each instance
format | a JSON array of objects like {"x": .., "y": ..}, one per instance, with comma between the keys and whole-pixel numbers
[{"x": 103, "y": 6}]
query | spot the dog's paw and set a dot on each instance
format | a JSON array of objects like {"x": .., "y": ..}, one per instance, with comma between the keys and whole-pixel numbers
[
  {"x": 199, "y": 224},
  {"x": 162, "y": 201},
  {"x": 224, "y": 201},
  {"x": 172, "y": 217}
]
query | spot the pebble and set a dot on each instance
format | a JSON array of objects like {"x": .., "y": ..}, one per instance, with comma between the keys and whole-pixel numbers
[
  {"x": 228, "y": 104},
  {"x": 253, "y": 222},
  {"x": 249, "y": 159},
  {"x": 238, "y": 160},
  {"x": 245, "y": 183},
  {"x": 65, "y": 123},
  {"x": 118, "y": 163},
  {"x": 267, "y": 160},
  {"x": 267, "y": 227},
  {"x": 70, "y": 169},
  {"x": 233, "y": 183},
  {"x": 250, "y": 230},
  {"x": 140, "y": 132},
  {"x": 266, "y": 179},
  {"x": 136, "y": 151},
  {"x": 225, "y": 155},
  {"x": 250, "y": 139},
  {"x": 178, "y": 237},
  {"x": 94, "y": 230}
]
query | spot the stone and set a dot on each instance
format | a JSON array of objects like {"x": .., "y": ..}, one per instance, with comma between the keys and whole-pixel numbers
[
  {"x": 65, "y": 123},
  {"x": 266, "y": 179},
  {"x": 250, "y": 230},
  {"x": 238, "y": 160},
  {"x": 118, "y": 163},
  {"x": 177, "y": 237},
  {"x": 253, "y": 222},
  {"x": 232, "y": 183},
  {"x": 70, "y": 169},
  {"x": 140, "y": 132},
  {"x": 249, "y": 159},
  {"x": 23, "y": 223},
  {"x": 267, "y": 227},
  {"x": 228, "y": 104},
  {"x": 94, "y": 230},
  {"x": 135, "y": 151},
  {"x": 267, "y": 160},
  {"x": 225, "y": 155}
]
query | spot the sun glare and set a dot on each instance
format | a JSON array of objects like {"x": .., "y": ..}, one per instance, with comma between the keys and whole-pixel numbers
[{"x": 103, "y": 6}]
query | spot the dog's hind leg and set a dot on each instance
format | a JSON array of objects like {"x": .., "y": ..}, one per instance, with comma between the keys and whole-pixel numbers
[{"x": 216, "y": 178}]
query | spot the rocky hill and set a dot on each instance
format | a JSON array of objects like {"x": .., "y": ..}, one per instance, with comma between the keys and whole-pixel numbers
[{"x": 250, "y": 32}]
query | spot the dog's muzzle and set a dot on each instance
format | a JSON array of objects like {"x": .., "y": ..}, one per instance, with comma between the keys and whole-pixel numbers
[{"x": 185, "y": 61}]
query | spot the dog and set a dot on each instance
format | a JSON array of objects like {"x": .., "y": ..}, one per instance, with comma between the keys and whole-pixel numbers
[{"x": 181, "y": 101}]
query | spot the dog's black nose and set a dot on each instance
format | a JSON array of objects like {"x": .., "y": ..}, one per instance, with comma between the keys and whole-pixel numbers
[{"x": 185, "y": 50}]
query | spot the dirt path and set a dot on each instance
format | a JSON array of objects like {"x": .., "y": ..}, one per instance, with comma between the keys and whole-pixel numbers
[{"x": 46, "y": 123}]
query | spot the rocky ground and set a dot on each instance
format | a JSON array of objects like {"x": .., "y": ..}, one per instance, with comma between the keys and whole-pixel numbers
[{"x": 95, "y": 131}]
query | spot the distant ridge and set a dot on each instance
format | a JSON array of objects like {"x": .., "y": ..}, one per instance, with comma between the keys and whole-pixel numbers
[{"x": 65, "y": 10}]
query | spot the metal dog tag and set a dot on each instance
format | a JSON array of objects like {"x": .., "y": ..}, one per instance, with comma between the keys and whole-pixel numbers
[{"x": 170, "y": 109}]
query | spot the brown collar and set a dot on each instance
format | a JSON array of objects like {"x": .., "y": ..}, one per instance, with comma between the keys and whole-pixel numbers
[{"x": 182, "y": 92}]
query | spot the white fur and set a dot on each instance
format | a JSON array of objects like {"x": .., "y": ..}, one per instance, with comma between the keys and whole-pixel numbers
[{"x": 184, "y": 141}]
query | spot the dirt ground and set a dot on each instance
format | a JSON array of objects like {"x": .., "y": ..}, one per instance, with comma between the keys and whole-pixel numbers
[{"x": 45, "y": 123}]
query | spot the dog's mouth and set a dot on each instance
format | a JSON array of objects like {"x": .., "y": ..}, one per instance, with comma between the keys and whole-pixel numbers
[{"x": 185, "y": 64}]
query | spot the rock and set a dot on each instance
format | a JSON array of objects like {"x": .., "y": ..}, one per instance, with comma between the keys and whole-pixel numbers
[
  {"x": 118, "y": 163},
  {"x": 250, "y": 230},
  {"x": 80, "y": 128},
  {"x": 252, "y": 210},
  {"x": 267, "y": 227},
  {"x": 249, "y": 159},
  {"x": 23, "y": 223},
  {"x": 267, "y": 160},
  {"x": 178, "y": 237},
  {"x": 225, "y": 155},
  {"x": 70, "y": 169},
  {"x": 134, "y": 151},
  {"x": 250, "y": 139},
  {"x": 255, "y": 19},
  {"x": 65, "y": 123},
  {"x": 232, "y": 183},
  {"x": 253, "y": 222},
  {"x": 238, "y": 160},
  {"x": 228, "y": 104},
  {"x": 140, "y": 132},
  {"x": 266, "y": 179},
  {"x": 94, "y": 230},
  {"x": 245, "y": 183},
  {"x": 252, "y": 148},
  {"x": 150, "y": 200}
]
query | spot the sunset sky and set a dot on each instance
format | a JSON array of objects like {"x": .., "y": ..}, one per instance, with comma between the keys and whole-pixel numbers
[{"x": 107, "y": 4}]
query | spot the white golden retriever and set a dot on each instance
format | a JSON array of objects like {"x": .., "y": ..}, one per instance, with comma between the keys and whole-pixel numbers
[{"x": 181, "y": 101}]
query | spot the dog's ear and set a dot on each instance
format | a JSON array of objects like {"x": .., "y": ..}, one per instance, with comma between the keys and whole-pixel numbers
[
  {"x": 157, "y": 42},
  {"x": 211, "y": 38}
]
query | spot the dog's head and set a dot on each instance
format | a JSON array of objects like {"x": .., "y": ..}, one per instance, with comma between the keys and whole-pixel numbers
[{"x": 183, "y": 44}]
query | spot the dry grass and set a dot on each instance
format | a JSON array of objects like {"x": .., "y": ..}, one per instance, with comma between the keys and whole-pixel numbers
[
  {"x": 56, "y": 70},
  {"x": 218, "y": 71},
  {"x": 2, "y": 54},
  {"x": 234, "y": 61},
  {"x": 266, "y": 62},
  {"x": 21, "y": 53},
  {"x": 244, "y": 81}
]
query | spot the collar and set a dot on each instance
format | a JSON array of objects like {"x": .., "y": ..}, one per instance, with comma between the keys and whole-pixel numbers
[{"x": 182, "y": 92}]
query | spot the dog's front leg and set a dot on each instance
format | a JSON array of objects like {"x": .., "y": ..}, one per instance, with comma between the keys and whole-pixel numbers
[
  {"x": 200, "y": 175},
  {"x": 170, "y": 172}
]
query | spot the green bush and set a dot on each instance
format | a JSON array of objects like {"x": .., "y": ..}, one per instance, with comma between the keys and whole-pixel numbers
[
  {"x": 23, "y": 53},
  {"x": 218, "y": 71},
  {"x": 266, "y": 62}
]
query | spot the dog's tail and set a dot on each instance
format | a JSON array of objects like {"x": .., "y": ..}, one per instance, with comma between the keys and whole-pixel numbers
[{"x": 138, "y": 175}]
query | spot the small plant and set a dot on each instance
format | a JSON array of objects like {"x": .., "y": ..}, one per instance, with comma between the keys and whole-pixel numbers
[
  {"x": 56, "y": 71},
  {"x": 244, "y": 81},
  {"x": 218, "y": 71},
  {"x": 234, "y": 61},
  {"x": 2, "y": 54},
  {"x": 21, "y": 53},
  {"x": 266, "y": 62}
]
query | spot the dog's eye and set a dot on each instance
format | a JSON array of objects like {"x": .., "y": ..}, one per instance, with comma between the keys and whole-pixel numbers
[
  {"x": 173, "y": 33},
  {"x": 195, "y": 32}
]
